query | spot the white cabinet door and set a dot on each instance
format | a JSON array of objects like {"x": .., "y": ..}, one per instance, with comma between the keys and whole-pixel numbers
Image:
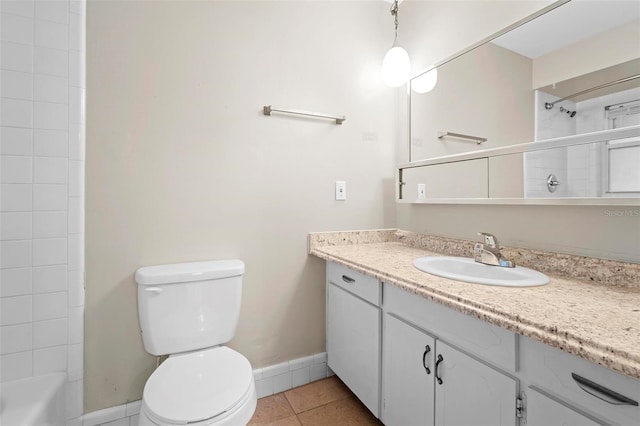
[
  {"x": 544, "y": 411},
  {"x": 353, "y": 344},
  {"x": 470, "y": 393},
  {"x": 408, "y": 374}
]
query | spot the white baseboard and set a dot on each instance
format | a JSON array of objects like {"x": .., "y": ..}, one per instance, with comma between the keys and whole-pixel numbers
[{"x": 269, "y": 380}]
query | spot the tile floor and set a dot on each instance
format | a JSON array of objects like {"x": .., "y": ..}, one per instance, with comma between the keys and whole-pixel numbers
[{"x": 323, "y": 403}]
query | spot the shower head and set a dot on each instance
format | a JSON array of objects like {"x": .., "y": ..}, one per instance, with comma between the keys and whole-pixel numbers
[{"x": 568, "y": 112}]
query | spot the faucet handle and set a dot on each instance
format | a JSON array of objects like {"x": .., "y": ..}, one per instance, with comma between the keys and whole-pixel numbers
[{"x": 490, "y": 239}]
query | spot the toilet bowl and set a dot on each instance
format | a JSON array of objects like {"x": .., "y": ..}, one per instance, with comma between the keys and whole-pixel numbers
[{"x": 188, "y": 311}]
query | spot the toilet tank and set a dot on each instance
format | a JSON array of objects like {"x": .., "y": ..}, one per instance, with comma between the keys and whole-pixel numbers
[{"x": 189, "y": 306}]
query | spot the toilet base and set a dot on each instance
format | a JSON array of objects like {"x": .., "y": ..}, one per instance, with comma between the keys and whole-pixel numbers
[{"x": 240, "y": 415}]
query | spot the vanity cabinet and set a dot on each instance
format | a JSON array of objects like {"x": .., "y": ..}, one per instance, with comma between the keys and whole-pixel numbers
[
  {"x": 412, "y": 361},
  {"x": 354, "y": 332},
  {"x": 427, "y": 381}
]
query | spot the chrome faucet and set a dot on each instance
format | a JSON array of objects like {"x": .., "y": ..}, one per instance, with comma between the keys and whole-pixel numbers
[{"x": 489, "y": 252}]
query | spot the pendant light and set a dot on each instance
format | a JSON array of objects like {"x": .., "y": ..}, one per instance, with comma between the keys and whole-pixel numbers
[{"x": 396, "y": 65}]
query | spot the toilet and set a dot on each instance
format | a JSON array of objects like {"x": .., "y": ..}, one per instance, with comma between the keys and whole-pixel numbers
[{"x": 188, "y": 311}]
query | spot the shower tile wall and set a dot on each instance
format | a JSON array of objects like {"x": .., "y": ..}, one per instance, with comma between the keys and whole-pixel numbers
[
  {"x": 578, "y": 168},
  {"x": 42, "y": 191}
]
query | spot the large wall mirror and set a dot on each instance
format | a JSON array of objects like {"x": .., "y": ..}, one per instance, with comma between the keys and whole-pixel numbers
[{"x": 568, "y": 73}]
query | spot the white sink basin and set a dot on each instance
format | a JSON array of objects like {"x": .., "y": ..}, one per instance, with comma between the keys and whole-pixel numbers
[{"x": 468, "y": 270}]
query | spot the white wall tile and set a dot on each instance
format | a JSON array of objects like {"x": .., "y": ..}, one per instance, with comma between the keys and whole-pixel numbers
[
  {"x": 15, "y": 197},
  {"x": 15, "y": 169},
  {"x": 49, "y": 224},
  {"x": 76, "y": 69},
  {"x": 299, "y": 363},
  {"x": 49, "y": 333},
  {"x": 76, "y": 101},
  {"x": 15, "y": 282},
  {"x": 49, "y": 197},
  {"x": 16, "y": 85},
  {"x": 16, "y": 57},
  {"x": 76, "y": 325},
  {"x": 16, "y": 338},
  {"x": 50, "y": 170},
  {"x": 76, "y": 141},
  {"x": 49, "y": 279},
  {"x": 16, "y": 366},
  {"x": 77, "y": 6},
  {"x": 134, "y": 420},
  {"x": 74, "y": 399},
  {"x": 50, "y": 116},
  {"x": 49, "y": 360},
  {"x": 76, "y": 215},
  {"x": 275, "y": 370},
  {"x": 48, "y": 88},
  {"x": 120, "y": 422},
  {"x": 76, "y": 288},
  {"x": 75, "y": 362},
  {"x": 15, "y": 310},
  {"x": 300, "y": 377},
  {"x": 76, "y": 252},
  {"x": 16, "y": 113},
  {"x": 15, "y": 254},
  {"x": 133, "y": 408},
  {"x": 48, "y": 306},
  {"x": 17, "y": 7},
  {"x": 16, "y": 141},
  {"x": 50, "y": 251},
  {"x": 15, "y": 226},
  {"x": 264, "y": 387},
  {"x": 51, "y": 34},
  {"x": 76, "y": 32},
  {"x": 51, "y": 61},
  {"x": 106, "y": 415},
  {"x": 282, "y": 382},
  {"x": 317, "y": 372},
  {"x": 50, "y": 143},
  {"x": 52, "y": 10},
  {"x": 17, "y": 29},
  {"x": 76, "y": 178}
]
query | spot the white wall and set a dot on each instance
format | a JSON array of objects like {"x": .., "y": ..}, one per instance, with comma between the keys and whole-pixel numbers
[
  {"x": 183, "y": 166},
  {"x": 42, "y": 174}
]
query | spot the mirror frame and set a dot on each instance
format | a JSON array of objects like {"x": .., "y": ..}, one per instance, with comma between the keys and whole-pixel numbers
[{"x": 601, "y": 136}]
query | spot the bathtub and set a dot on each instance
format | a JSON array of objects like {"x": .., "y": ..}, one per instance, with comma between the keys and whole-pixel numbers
[{"x": 34, "y": 401}]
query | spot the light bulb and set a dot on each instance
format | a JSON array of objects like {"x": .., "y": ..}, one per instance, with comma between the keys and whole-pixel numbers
[
  {"x": 425, "y": 82},
  {"x": 396, "y": 67}
]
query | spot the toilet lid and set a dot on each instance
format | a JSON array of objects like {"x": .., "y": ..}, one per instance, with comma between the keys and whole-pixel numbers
[{"x": 198, "y": 386}]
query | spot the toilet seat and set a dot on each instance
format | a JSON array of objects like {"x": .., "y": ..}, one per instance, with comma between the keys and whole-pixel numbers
[{"x": 198, "y": 386}]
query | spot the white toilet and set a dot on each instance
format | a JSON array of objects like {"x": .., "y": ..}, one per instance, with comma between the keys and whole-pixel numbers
[{"x": 188, "y": 311}]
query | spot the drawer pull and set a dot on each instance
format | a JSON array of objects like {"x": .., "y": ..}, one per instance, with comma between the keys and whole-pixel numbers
[
  {"x": 427, "y": 349},
  {"x": 600, "y": 392},
  {"x": 438, "y": 378},
  {"x": 348, "y": 280}
]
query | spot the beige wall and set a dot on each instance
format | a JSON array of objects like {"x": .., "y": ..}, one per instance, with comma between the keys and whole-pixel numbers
[{"x": 183, "y": 166}]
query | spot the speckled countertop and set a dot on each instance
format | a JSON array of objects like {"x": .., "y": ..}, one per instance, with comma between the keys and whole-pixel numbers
[{"x": 594, "y": 314}]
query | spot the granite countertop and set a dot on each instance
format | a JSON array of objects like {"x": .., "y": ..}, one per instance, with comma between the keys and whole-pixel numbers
[{"x": 587, "y": 317}]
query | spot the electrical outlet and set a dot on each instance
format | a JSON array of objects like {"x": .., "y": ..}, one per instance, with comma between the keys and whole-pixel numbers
[
  {"x": 341, "y": 190},
  {"x": 422, "y": 191}
]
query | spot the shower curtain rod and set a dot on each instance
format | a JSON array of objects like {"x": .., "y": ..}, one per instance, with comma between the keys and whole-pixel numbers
[{"x": 549, "y": 105}]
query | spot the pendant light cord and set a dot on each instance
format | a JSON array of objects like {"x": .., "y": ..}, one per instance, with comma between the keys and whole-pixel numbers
[{"x": 394, "y": 12}]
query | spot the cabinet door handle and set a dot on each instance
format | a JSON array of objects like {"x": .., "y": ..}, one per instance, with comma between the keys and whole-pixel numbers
[
  {"x": 602, "y": 393},
  {"x": 427, "y": 349},
  {"x": 348, "y": 280},
  {"x": 438, "y": 378}
]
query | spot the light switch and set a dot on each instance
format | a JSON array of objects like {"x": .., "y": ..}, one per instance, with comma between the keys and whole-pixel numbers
[
  {"x": 422, "y": 192},
  {"x": 341, "y": 190}
]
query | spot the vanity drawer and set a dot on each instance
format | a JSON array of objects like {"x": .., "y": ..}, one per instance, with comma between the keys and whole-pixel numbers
[
  {"x": 494, "y": 344},
  {"x": 363, "y": 286},
  {"x": 559, "y": 373}
]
